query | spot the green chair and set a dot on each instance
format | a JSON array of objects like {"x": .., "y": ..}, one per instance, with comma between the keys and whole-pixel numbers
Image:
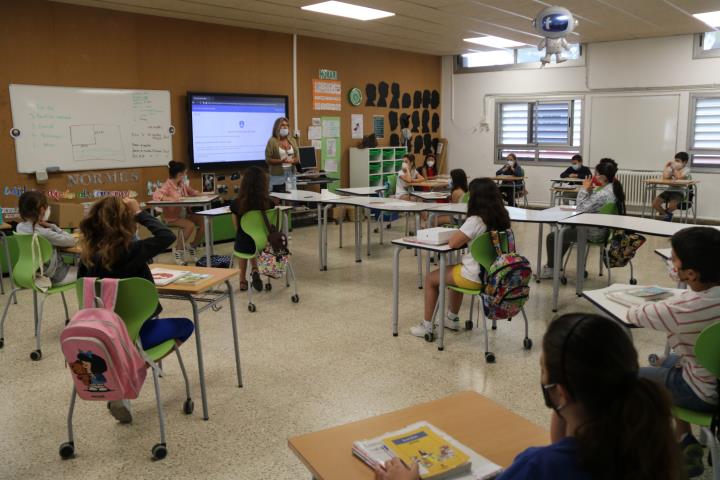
[
  {"x": 707, "y": 354},
  {"x": 24, "y": 278},
  {"x": 465, "y": 198},
  {"x": 136, "y": 302},
  {"x": 483, "y": 252},
  {"x": 253, "y": 224}
]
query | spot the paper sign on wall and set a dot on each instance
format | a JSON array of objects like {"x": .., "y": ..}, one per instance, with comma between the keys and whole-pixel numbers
[
  {"x": 356, "y": 125},
  {"x": 379, "y": 126},
  {"x": 326, "y": 95},
  {"x": 331, "y": 127},
  {"x": 314, "y": 132}
]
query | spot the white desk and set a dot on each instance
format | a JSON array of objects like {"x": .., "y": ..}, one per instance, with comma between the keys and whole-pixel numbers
[
  {"x": 431, "y": 196},
  {"x": 442, "y": 251},
  {"x": 664, "y": 253},
  {"x": 203, "y": 201},
  {"x": 361, "y": 191},
  {"x": 615, "y": 310}
]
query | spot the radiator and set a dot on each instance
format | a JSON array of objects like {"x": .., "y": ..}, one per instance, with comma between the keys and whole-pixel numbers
[{"x": 632, "y": 181}]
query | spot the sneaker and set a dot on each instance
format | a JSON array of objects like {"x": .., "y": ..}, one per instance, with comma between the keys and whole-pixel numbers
[
  {"x": 547, "y": 273},
  {"x": 120, "y": 410},
  {"x": 256, "y": 281},
  {"x": 450, "y": 323},
  {"x": 421, "y": 329},
  {"x": 179, "y": 256},
  {"x": 668, "y": 217},
  {"x": 192, "y": 253}
]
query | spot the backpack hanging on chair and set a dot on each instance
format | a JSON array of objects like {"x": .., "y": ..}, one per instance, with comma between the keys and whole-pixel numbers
[
  {"x": 621, "y": 248},
  {"x": 273, "y": 260},
  {"x": 507, "y": 281}
]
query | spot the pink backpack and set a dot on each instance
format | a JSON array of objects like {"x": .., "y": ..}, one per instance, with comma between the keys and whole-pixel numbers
[{"x": 106, "y": 364}]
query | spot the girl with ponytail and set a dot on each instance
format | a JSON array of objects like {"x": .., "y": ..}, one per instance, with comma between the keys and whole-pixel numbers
[
  {"x": 607, "y": 423},
  {"x": 596, "y": 192}
]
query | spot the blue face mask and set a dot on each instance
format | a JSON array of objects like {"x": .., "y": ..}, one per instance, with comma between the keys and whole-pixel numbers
[{"x": 576, "y": 166}]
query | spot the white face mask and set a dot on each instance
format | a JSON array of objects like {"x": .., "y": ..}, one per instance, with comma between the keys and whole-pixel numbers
[
  {"x": 431, "y": 163},
  {"x": 672, "y": 271},
  {"x": 284, "y": 132},
  {"x": 186, "y": 180},
  {"x": 511, "y": 162},
  {"x": 677, "y": 165},
  {"x": 46, "y": 217},
  {"x": 576, "y": 166}
]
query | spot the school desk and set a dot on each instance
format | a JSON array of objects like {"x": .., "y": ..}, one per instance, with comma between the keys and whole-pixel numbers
[
  {"x": 361, "y": 191},
  {"x": 560, "y": 192},
  {"x": 431, "y": 196},
  {"x": 203, "y": 202},
  {"x": 205, "y": 292},
  {"x": 432, "y": 183},
  {"x": 477, "y": 422},
  {"x": 5, "y": 227},
  {"x": 688, "y": 187},
  {"x": 613, "y": 309}
]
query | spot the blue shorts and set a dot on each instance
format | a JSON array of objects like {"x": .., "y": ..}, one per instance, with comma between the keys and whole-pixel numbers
[
  {"x": 669, "y": 375},
  {"x": 158, "y": 330}
]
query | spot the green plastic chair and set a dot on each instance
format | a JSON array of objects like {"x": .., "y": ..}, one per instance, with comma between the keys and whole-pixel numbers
[
  {"x": 465, "y": 198},
  {"x": 137, "y": 300},
  {"x": 253, "y": 224},
  {"x": 483, "y": 252},
  {"x": 24, "y": 278},
  {"x": 392, "y": 185},
  {"x": 707, "y": 354}
]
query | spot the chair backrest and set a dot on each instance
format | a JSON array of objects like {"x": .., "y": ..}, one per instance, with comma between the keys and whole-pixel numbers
[
  {"x": 483, "y": 251},
  {"x": 609, "y": 208},
  {"x": 24, "y": 269},
  {"x": 253, "y": 224},
  {"x": 137, "y": 300},
  {"x": 465, "y": 198},
  {"x": 706, "y": 349},
  {"x": 392, "y": 185}
]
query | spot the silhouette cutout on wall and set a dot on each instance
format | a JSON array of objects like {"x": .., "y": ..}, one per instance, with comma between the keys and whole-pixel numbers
[
  {"x": 435, "y": 122},
  {"x": 393, "y": 120},
  {"x": 406, "y": 100},
  {"x": 394, "y": 140},
  {"x": 370, "y": 94},
  {"x": 426, "y": 99},
  {"x": 435, "y": 99},
  {"x": 418, "y": 144},
  {"x": 395, "y": 91},
  {"x": 425, "y": 121},
  {"x": 415, "y": 121},
  {"x": 404, "y": 120},
  {"x": 382, "y": 94},
  {"x": 417, "y": 99},
  {"x": 427, "y": 142}
]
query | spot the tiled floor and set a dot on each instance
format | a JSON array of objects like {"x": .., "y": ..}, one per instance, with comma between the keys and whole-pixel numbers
[{"x": 326, "y": 361}]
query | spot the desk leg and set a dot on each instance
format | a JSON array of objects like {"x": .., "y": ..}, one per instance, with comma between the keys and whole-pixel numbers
[
  {"x": 236, "y": 340},
  {"x": 441, "y": 301},
  {"x": 321, "y": 234},
  {"x": 538, "y": 268},
  {"x": 396, "y": 289},
  {"x": 325, "y": 237},
  {"x": 557, "y": 264},
  {"x": 369, "y": 214},
  {"x": 358, "y": 247},
  {"x": 419, "y": 256},
  {"x": 201, "y": 363},
  {"x": 580, "y": 250},
  {"x": 208, "y": 240}
]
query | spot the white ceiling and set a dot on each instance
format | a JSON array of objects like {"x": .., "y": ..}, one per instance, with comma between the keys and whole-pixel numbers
[{"x": 434, "y": 26}]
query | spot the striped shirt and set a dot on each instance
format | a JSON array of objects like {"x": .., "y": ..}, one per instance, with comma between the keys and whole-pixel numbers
[{"x": 684, "y": 316}]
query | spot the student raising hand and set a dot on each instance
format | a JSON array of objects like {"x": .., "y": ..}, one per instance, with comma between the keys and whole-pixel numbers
[
  {"x": 395, "y": 469},
  {"x": 587, "y": 184}
]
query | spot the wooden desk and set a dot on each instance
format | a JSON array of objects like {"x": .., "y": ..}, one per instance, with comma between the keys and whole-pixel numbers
[
  {"x": 473, "y": 420},
  {"x": 688, "y": 187},
  {"x": 205, "y": 292}
]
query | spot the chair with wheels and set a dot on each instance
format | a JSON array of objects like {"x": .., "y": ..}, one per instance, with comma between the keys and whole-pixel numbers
[
  {"x": 253, "y": 224},
  {"x": 708, "y": 356},
  {"x": 137, "y": 300},
  {"x": 689, "y": 204},
  {"x": 24, "y": 279},
  {"x": 483, "y": 252}
]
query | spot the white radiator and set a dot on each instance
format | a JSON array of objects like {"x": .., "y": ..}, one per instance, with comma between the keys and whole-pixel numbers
[{"x": 632, "y": 181}]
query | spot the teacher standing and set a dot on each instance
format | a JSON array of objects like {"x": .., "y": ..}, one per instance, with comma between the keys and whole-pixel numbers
[{"x": 281, "y": 150}]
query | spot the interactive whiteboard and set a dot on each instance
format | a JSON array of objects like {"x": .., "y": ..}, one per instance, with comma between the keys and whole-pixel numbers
[{"x": 89, "y": 128}]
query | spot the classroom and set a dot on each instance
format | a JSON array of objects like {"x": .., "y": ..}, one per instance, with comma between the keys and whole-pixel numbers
[{"x": 372, "y": 239}]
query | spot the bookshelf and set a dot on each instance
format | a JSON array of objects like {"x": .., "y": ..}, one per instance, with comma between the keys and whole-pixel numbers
[{"x": 371, "y": 167}]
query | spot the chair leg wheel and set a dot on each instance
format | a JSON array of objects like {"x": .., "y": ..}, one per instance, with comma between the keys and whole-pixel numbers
[
  {"x": 159, "y": 451},
  {"x": 633, "y": 281},
  {"x": 2, "y": 342},
  {"x": 295, "y": 298},
  {"x": 586, "y": 274},
  {"x": 36, "y": 355},
  {"x": 468, "y": 325},
  {"x": 268, "y": 287},
  {"x": 67, "y": 450},
  {"x": 527, "y": 343},
  {"x": 430, "y": 337},
  {"x": 251, "y": 307},
  {"x": 188, "y": 406},
  {"x": 489, "y": 357},
  {"x": 563, "y": 280}
]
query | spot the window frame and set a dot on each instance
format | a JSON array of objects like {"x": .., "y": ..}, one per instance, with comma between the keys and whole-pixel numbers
[
  {"x": 459, "y": 68},
  {"x": 698, "y": 52},
  {"x": 499, "y": 147},
  {"x": 694, "y": 97}
]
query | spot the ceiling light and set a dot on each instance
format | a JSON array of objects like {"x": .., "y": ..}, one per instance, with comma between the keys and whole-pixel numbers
[
  {"x": 494, "y": 42},
  {"x": 710, "y": 18},
  {"x": 349, "y": 10}
]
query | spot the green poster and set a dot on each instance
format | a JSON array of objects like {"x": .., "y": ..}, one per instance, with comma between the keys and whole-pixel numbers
[{"x": 331, "y": 153}]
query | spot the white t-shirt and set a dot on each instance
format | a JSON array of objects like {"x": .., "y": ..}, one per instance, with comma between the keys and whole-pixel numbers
[
  {"x": 285, "y": 154},
  {"x": 473, "y": 227},
  {"x": 401, "y": 185}
]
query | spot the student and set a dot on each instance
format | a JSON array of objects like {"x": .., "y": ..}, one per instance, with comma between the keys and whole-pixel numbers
[
  {"x": 678, "y": 169},
  {"x": 407, "y": 176},
  {"x": 175, "y": 188},
  {"x": 458, "y": 189},
  {"x": 577, "y": 169},
  {"x": 429, "y": 167},
  {"x": 596, "y": 192},
  {"x": 35, "y": 212},
  {"x": 695, "y": 261},
  {"x": 607, "y": 423},
  {"x": 109, "y": 250},
  {"x": 485, "y": 212},
  {"x": 511, "y": 189},
  {"x": 253, "y": 196}
]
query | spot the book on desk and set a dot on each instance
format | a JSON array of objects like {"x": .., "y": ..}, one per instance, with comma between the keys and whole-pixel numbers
[{"x": 639, "y": 295}]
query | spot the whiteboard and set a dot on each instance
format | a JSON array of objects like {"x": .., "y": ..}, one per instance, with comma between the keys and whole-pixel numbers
[
  {"x": 90, "y": 128},
  {"x": 638, "y": 131}
]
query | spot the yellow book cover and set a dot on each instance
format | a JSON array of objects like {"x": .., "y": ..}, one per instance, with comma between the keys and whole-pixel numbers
[{"x": 435, "y": 455}]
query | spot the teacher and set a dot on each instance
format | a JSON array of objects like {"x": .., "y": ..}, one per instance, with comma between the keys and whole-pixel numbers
[{"x": 281, "y": 150}]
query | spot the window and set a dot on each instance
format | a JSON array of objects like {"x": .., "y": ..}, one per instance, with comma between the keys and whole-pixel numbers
[
  {"x": 540, "y": 131},
  {"x": 704, "y": 131},
  {"x": 707, "y": 45},
  {"x": 521, "y": 57}
]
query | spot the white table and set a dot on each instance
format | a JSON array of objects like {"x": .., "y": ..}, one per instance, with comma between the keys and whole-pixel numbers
[
  {"x": 613, "y": 309},
  {"x": 431, "y": 196},
  {"x": 204, "y": 202},
  {"x": 361, "y": 191},
  {"x": 442, "y": 251},
  {"x": 664, "y": 253}
]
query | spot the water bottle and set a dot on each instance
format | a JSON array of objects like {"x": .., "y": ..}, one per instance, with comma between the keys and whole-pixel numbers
[{"x": 293, "y": 180}]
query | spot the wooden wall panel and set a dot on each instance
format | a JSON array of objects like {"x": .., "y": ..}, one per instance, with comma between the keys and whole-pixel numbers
[{"x": 48, "y": 43}]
